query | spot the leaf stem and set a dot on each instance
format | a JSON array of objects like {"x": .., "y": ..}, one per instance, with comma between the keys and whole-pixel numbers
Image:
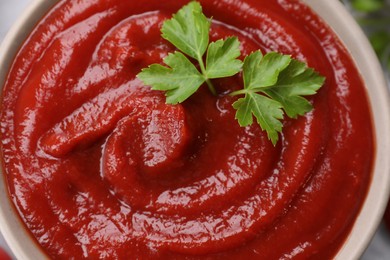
[
  {"x": 238, "y": 92},
  {"x": 211, "y": 87},
  {"x": 208, "y": 81}
]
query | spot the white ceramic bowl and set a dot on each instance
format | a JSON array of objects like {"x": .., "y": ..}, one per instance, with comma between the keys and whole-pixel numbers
[{"x": 332, "y": 11}]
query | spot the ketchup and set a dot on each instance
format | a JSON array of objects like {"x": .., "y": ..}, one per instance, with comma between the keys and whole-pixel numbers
[
  {"x": 98, "y": 166},
  {"x": 4, "y": 255}
]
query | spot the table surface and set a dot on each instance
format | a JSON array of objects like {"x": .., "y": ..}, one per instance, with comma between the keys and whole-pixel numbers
[{"x": 379, "y": 248}]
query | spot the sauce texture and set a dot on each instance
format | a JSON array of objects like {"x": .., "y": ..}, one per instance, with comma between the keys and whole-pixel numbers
[{"x": 98, "y": 166}]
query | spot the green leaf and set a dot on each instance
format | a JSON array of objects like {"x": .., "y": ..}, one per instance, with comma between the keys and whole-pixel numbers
[
  {"x": 260, "y": 72},
  {"x": 293, "y": 105},
  {"x": 368, "y": 5},
  {"x": 295, "y": 81},
  {"x": 179, "y": 81},
  {"x": 188, "y": 30},
  {"x": 222, "y": 59},
  {"x": 273, "y": 83},
  {"x": 268, "y": 114},
  {"x": 380, "y": 40}
]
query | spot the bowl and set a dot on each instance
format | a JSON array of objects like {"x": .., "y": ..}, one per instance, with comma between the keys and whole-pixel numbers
[{"x": 332, "y": 11}]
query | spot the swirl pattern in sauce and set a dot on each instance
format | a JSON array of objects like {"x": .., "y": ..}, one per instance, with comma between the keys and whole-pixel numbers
[{"x": 100, "y": 167}]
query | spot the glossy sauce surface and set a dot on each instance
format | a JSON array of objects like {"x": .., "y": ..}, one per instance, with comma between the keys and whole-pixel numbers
[{"x": 98, "y": 166}]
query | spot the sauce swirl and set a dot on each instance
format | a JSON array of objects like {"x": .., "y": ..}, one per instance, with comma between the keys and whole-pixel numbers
[{"x": 99, "y": 166}]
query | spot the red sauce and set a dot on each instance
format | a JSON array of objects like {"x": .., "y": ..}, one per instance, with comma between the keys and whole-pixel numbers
[{"x": 99, "y": 166}]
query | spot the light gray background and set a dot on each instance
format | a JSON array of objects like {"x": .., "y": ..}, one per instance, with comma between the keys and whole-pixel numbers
[{"x": 9, "y": 12}]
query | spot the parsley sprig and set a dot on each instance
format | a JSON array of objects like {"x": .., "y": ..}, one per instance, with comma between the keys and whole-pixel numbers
[
  {"x": 274, "y": 84},
  {"x": 188, "y": 31}
]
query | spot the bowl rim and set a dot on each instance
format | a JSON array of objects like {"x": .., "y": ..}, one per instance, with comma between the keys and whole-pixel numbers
[
  {"x": 351, "y": 35},
  {"x": 16, "y": 235},
  {"x": 361, "y": 51}
]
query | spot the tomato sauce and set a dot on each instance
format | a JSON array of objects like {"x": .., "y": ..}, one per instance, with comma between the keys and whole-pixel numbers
[{"x": 98, "y": 166}]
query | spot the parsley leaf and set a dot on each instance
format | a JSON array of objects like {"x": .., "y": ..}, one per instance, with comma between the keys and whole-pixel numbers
[
  {"x": 180, "y": 81},
  {"x": 267, "y": 112},
  {"x": 282, "y": 83},
  {"x": 188, "y": 30},
  {"x": 262, "y": 71},
  {"x": 274, "y": 84},
  {"x": 222, "y": 58},
  {"x": 295, "y": 81}
]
